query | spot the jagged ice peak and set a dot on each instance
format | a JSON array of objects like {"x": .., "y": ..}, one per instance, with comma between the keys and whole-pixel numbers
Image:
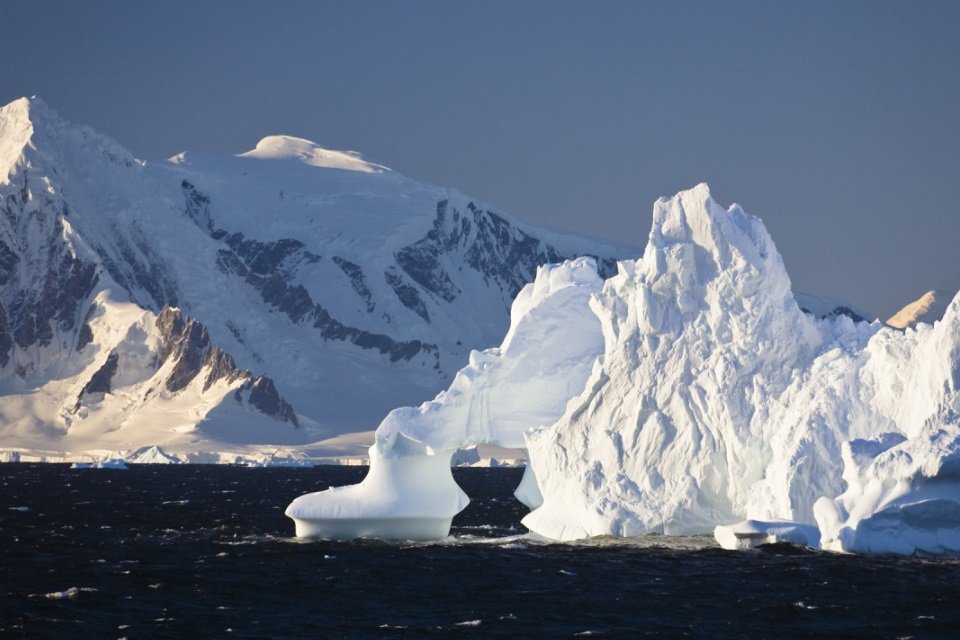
[
  {"x": 16, "y": 128},
  {"x": 33, "y": 134}
]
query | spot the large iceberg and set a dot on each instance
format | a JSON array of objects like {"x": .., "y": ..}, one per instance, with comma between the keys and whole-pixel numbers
[{"x": 690, "y": 392}]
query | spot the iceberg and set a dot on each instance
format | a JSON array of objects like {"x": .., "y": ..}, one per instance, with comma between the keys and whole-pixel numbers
[
  {"x": 544, "y": 360},
  {"x": 109, "y": 463},
  {"x": 688, "y": 391},
  {"x": 717, "y": 400}
]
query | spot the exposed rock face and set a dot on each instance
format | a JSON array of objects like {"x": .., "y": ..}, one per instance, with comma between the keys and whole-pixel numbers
[
  {"x": 357, "y": 280},
  {"x": 828, "y": 308},
  {"x": 43, "y": 283},
  {"x": 184, "y": 354},
  {"x": 186, "y": 342},
  {"x": 264, "y": 396},
  {"x": 100, "y": 381},
  {"x": 505, "y": 255},
  {"x": 268, "y": 268},
  {"x": 844, "y": 311}
]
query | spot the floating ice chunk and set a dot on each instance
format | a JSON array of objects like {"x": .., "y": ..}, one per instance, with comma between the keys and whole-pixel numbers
[
  {"x": 750, "y": 534},
  {"x": 274, "y": 461},
  {"x": 111, "y": 463}
]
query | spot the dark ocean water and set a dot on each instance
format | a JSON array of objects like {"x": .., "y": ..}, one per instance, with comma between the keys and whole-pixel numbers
[{"x": 205, "y": 551}]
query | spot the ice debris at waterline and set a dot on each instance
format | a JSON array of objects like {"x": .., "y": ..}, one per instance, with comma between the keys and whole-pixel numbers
[
  {"x": 110, "y": 463},
  {"x": 750, "y": 534},
  {"x": 686, "y": 392}
]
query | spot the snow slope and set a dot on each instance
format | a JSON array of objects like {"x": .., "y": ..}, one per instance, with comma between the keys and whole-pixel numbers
[{"x": 312, "y": 290}]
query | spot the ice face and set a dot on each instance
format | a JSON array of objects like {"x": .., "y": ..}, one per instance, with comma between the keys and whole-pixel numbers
[
  {"x": 691, "y": 390},
  {"x": 717, "y": 401}
]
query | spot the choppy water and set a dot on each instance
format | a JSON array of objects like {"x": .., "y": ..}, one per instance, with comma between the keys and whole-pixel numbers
[{"x": 205, "y": 551}]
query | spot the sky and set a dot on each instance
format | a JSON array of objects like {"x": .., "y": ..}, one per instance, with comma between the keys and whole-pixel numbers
[{"x": 837, "y": 123}]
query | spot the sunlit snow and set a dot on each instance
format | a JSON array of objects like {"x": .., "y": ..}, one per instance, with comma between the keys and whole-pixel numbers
[{"x": 713, "y": 400}]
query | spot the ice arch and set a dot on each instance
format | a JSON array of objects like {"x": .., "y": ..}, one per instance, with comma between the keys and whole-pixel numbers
[
  {"x": 546, "y": 358},
  {"x": 688, "y": 391}
]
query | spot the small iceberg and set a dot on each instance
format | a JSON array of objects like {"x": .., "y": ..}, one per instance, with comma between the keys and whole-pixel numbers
[
  {"x": 405, "y": 496},
  {"x": 110, "y": 463},
  {"x": 290, "y": 463}
]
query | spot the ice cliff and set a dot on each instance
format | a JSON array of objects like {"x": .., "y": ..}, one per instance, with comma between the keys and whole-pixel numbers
[{"x": 702, "y": 395}]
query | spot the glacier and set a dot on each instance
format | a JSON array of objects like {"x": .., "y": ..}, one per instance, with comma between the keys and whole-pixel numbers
[{"x": 703, "y": 399}]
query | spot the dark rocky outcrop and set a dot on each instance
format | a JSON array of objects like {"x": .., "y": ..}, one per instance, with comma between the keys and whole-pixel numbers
[
  {"x": 262, "y": 394},
  {"x": 197, "y": 206},
  {"x": 358, "y": 281},
  {"x": 187, "y": 342},
  {"x": 421, "y": 260},
  {"x": 85, "y": 336},
  {"x": 45, "y": 287},
  {"x": 408, "y": 294},
  {"x": 100, "y": 382},
  {"x": 504, "y": 254},
  {"x": 8, "y": 263},
  {"x": 844, "y": 310},
  {"x": 269, "y": 273}
]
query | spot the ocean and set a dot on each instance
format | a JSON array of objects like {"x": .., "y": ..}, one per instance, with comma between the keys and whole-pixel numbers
[{"x": 200, "y": 551}]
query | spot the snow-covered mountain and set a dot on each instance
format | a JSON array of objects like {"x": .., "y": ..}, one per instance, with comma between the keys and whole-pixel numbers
[
  {"x": 928, "y": 308},
  {"x": 827, "y": 307},
  {"x": 277, "y": 296}
]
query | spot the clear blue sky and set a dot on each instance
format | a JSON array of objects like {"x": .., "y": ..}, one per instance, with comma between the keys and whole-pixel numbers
[{"x": 838, "y": 123}]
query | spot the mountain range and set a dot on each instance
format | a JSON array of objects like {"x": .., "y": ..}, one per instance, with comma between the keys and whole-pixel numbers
[{"x": 279, "y": 296}]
